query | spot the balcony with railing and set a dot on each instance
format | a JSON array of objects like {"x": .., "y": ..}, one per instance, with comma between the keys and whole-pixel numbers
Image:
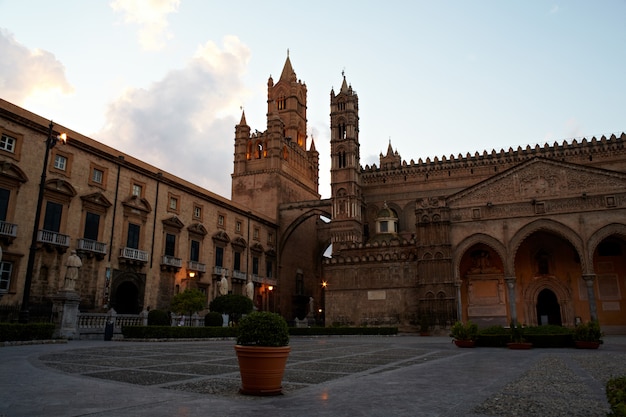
[
  {"x": 239, "y": 275},
  {"x": 133, "y": 256},
  {"x": 92, "y": 247},
  {"x": 53, "y": 239},
  {"x": 171, "y": 263},
  {"x": 218, "y": 270},
  {"x": 8, "y": 232},
  {"x": 196, "y": 266}
]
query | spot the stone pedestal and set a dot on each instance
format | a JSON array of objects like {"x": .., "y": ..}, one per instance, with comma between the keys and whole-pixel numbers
[{"x": 66, "y": 306}]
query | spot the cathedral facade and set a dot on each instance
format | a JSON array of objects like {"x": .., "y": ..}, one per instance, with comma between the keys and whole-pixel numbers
[{"x": 534, "y": 235}]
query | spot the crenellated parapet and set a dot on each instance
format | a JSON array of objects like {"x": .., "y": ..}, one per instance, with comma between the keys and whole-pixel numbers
[{"x": 585, "y": 151}]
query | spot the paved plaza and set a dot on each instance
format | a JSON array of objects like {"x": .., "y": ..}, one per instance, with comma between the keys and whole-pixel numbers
[{"x": 326, "y": 376}]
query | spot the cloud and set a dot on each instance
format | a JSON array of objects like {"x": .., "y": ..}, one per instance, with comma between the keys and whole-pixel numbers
[
  {"x": 151, "y": 16},
  {"x": 185, "y": 123},
  {"x": 25, "y": 73}
]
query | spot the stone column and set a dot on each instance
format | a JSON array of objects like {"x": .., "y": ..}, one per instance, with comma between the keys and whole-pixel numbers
[
  {"x": 591, "y": 296},
  {"x": 459, "y": 306},
  {"x": 510, "y": 284}
]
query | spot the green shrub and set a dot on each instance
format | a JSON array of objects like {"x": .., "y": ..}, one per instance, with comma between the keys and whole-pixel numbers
[
  {"x": 588, "y": 332},
  {"x": 467, "y": 331},
  {"x": 616, "y": 395},
  {"x": 493, "y": 336},
  {"x": 213, "y": 318},
  {"x": 158, "y": 318},
  {"x": 10, "y": 332},
  {"x": 262, "y": 328},
  {"x": 232, "y": 304}
]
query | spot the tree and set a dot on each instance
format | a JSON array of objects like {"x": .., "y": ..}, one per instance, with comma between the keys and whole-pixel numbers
[
  {"x": 232, "y": 304},
  {"x": 189, "y": 301}
]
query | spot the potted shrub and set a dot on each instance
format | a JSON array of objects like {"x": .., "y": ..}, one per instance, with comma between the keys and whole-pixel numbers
[
  {"x": 517, "y": 338},
  {"x": 262, "y": 351},
  {"x": 588, "y": 335},
  {"x": 464, "y": 334}
]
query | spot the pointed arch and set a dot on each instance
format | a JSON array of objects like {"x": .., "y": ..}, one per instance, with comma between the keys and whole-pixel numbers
[
  {"x": 549, "y": 226},
  {"x": 490, "y": 241},
  {"x": 601, "y": 234}
]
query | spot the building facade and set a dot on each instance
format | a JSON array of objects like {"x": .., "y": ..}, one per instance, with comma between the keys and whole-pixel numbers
[{"x": 534, "y": 235}]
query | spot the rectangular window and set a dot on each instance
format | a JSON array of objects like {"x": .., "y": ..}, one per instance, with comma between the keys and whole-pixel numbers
[
  {"x": 194, "y": 251},
  {"x": 256, "y": 234},
  {"x": 7, "y": 143},
  {"x": 52, "y": 218},
  {"x": 60, "y": 162},
  {"x": 197, "y": 212},
  {"x": 219, "y": 256},
  {"x": 97, "y": 176},
  {"x": 237, "y": 263},
  {"x": 268, "y": 269},
  {"x": 270, "y": 238},
  {"x": 137, "y": 189},
  {"x": 255, "y": 265},
  {"x": 220, "y": 220},
  {"x": 170, "y": 244},
  {"x": 132, "y": 239},
  {"x": 238, "y": 227},
  {"x": 92, "y": 226},
  {"x": 6, "y": 268},
  {"x": 173, "y": 203},
  {"x": 4, "y": 203}
]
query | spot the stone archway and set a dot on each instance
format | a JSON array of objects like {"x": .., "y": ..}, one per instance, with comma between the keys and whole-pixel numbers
[
  {"x": 551, "y": 292},
  {"x": 127, "y": 298},
  {"x": 548, "y": 308},
  {"x": 127, "y": 292}
]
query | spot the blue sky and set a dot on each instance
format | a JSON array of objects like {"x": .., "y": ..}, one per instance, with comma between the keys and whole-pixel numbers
[{"x": 164, "y": 80}]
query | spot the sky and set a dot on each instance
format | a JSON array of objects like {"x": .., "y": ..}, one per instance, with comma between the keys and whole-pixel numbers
[{"x": 166, "y": 80}]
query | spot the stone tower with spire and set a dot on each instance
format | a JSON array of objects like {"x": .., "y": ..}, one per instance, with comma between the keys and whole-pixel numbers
[
  {"x": 277, "y": 166},
  {"x": 347, "y": 202}
]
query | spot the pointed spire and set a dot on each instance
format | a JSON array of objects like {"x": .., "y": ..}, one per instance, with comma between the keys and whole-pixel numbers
[
  {"x": 344, "y": 84},
  {"x": 312, "y": 148},
  {"x": 243, "y": 118},
  {"x": 389, "y": 149},
  {"x": 288, "y": 73}
]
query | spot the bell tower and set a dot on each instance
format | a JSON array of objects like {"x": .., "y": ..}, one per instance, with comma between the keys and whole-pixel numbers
[
  {"x": 345, "y": 174},
  {"x": 274, "y": 166}
]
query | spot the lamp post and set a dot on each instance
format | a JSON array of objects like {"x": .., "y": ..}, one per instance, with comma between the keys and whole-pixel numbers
[{"x": 51, "y": 141}]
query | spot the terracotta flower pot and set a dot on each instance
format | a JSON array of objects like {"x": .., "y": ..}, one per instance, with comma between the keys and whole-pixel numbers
[
  {"x": 584, "y": 344},
  {"x": 464, "y": 343},
  {"x": 519, "y": 345},
  {"x": 262, "y": 369}
]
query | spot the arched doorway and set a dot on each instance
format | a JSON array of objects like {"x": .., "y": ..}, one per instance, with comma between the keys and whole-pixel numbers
[
  {"x": 548, "y": 308},
  {"x": 127, "y": 298}
]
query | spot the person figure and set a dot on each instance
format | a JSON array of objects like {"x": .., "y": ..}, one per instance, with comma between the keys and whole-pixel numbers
[
  {"x": 223, "y": 284},
  {"x": 250, "y": 289},
  {"x": 311, "y": 306},
  {"x": 71, "y": 275}
]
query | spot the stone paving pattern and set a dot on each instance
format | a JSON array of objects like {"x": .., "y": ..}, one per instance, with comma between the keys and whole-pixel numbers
[{"x": 401, "y": 375}]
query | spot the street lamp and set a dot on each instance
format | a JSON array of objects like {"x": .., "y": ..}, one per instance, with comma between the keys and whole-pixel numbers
[{"x": 51, "y": 141}]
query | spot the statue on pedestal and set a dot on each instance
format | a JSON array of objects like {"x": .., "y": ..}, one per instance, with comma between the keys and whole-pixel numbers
[
  {"x": 223, "y": 284},
  {"x": 250, "y": 289},
  {"x": 71, "y": 275}
]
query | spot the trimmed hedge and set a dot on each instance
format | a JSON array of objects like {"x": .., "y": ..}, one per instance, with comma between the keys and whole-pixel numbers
[
  {"x": 185, "y": 332},
  {"x": 346, "y": 331},
  {"x": 616, "y": 395},
  {"x": 540, "y": 336},
  {"x": 180, "y": 332},
  {"x": 10, "y": 332},
  {"x": 158, "y": 318}
]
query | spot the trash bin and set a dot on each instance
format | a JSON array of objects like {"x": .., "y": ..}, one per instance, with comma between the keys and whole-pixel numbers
[{"x": 108, "y": 330}]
